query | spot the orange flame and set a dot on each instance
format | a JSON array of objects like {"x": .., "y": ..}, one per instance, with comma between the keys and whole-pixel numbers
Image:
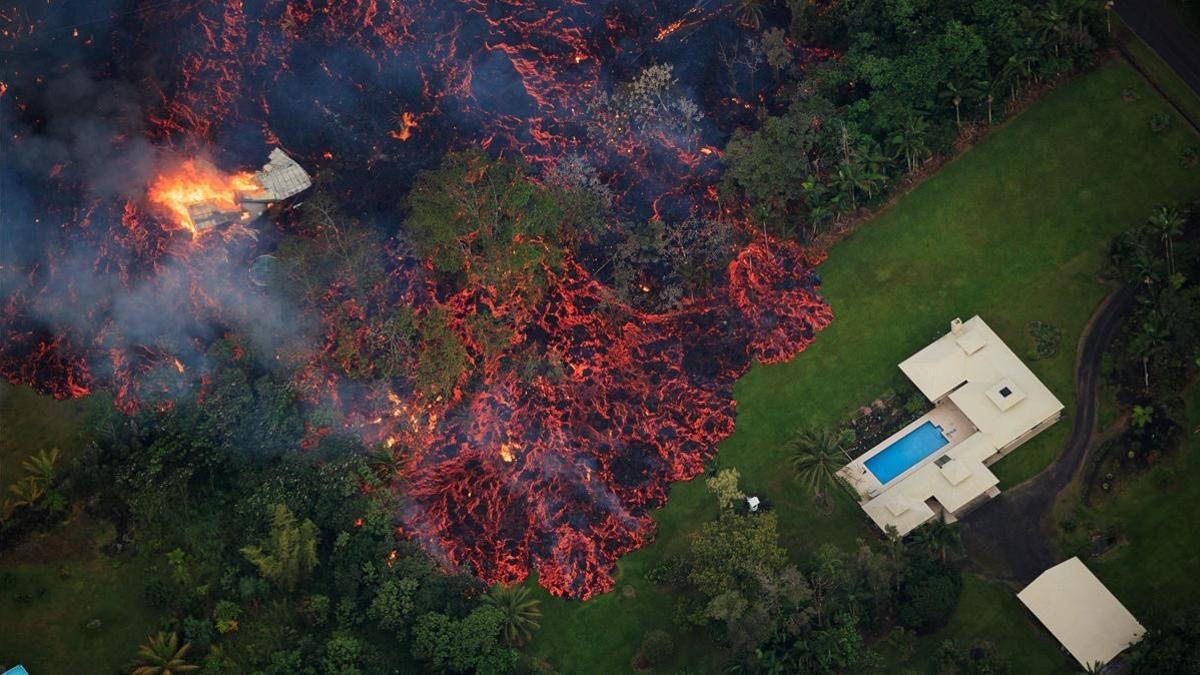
[{"x": 193, "y": 183}]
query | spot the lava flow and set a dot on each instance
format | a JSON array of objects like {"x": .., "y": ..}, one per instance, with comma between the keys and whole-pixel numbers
[{"x": 553, "y": 471}]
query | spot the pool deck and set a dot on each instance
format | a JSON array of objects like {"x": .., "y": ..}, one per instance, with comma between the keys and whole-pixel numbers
[{"x": 954, "y": 425}]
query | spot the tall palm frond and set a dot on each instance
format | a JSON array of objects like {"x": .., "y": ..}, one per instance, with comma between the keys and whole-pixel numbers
[
  {"x": 521, "y": 612},
  {"x": 162, "y": 655},
  {"x": 816, "y": 458},
  {"x": 41, "y": 465}
]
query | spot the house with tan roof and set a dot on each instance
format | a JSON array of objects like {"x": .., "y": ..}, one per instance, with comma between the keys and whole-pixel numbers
[{"x": 986, "y": 403}]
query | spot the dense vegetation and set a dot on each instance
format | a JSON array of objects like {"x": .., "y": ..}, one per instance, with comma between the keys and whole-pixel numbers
[
  {"x": 268, "y": 560},
  {"x": 914, "y": 77},
  {"x": 736, "y": 582}
]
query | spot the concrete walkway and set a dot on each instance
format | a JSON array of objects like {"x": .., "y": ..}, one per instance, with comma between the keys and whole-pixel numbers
[
  {"x": 1166, "y": 35},
  {"x": 1010, "y": 535}
]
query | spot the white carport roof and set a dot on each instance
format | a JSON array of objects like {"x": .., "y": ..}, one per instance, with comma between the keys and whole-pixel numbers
[{"x": 1081, "y": 613}]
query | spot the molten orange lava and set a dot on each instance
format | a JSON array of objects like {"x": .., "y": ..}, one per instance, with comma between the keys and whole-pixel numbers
[
  {"x": 408, "y": 122},
  {"x": 197, "y": 182}
]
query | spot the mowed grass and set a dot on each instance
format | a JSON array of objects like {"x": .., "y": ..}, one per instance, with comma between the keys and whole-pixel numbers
[
  {"x": 1156, "y": 571},
  {"x": 64, "y": 603},
  {"x": 30, "y": 423},
  {"x": 987, "y": 612},
  {"x": 53, "y": 585},
  {"x": 1015, "y": 230}
]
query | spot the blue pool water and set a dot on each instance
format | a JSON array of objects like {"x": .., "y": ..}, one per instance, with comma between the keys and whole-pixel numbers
[{"x": 906, "y": 451}]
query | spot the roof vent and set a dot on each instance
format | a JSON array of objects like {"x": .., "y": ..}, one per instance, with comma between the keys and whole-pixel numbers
[
  {"x": 956, "y": 326},
  {"x": 1005, "y": 394}
]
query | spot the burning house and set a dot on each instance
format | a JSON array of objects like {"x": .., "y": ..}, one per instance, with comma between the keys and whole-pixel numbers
[{"x": 281, "y": 177}]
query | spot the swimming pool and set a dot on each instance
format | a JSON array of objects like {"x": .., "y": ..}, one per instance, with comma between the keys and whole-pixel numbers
[{"x": 906, "y": 451}]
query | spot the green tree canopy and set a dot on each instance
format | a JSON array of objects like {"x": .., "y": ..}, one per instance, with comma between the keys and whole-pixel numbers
[{"x": 290, "y": 552}]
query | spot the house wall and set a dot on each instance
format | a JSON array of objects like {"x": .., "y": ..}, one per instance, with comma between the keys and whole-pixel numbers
[{"x": 969, "y": 506}]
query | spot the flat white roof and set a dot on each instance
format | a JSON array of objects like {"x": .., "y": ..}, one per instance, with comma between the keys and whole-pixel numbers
[
  {"x": 985, "y": 379},
  {"x": 1081, "y": 613}
]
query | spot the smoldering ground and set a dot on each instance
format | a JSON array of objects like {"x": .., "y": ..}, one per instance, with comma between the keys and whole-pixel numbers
[{"x": 77, "y": 165}]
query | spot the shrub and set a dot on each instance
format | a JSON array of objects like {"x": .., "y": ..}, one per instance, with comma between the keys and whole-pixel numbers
[
  {"x": 1160, "y": 122},
  {"x": 672, "y": 571},
  {"x": 1047, "y": 338},
  {"x": 1190, "y": 157},
  {"x": 928, "y": 598},
  {"x": 657, "y": 647}
]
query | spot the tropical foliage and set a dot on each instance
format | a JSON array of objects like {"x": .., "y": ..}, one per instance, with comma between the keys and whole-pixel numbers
[
  {"x": 816, "y": 456},
  {"x": 520, "y": 612},
  {"x": 914, "y": 77},
  {"x": 163, "y": 655},
  {"x": 290, "y": 553}
]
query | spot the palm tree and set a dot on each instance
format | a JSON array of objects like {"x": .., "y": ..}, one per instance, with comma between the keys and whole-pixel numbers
[
  {"x": 40, "y": 467},
  {"x": 1010, "y": 74},
  {"x": 162, "y": 655},
  {"x": 847, "y": 181},
  {"x": 869, "y": 162},
  {"x": 816, "y": 458},
  {"x": 1078, "y": 10},
  {"x": 1025, "y": 55},
  {"x": 987, "y": 93},
  {"x": 27, "y": 491},
  {"x": 909, "y": 140},
  {"x": 386, "y": 464},
  {"x": 521, "y": 612},
  {"x": 750, "y": 12},
  {"x": 955, "y": 93},
  {"x": 1053, "y": 23},
  {"x": 939, "y": 538},
  {"x": 1167, "y": 221}
]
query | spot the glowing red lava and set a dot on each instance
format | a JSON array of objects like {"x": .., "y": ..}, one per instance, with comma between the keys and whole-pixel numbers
[{"x": 554, "y": 472}]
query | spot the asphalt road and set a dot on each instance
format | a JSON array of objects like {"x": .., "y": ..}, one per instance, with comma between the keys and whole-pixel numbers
[
  {"x": 1010, "y": 534},
  {"x": 1166, "y": 35}
]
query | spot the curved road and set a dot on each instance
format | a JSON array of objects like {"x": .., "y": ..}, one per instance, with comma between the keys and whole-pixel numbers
[
  {"x": 1009, "y": 534},
  {"x": 1166, "y": 35}
]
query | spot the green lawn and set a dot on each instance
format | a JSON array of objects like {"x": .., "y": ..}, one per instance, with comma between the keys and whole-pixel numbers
[
  {"x": 29, "y": 423},
  {"x": 1015, "y": 230},
  {"x": 54, "y": 584},
  {"x": 987, "y": 612},
  {"x": 1156, "y": 571},
  {"x": 65, "y": 603}
]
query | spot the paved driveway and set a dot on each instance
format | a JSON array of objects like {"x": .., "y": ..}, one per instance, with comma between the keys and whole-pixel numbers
[{"x": 1166, "y": 35}]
